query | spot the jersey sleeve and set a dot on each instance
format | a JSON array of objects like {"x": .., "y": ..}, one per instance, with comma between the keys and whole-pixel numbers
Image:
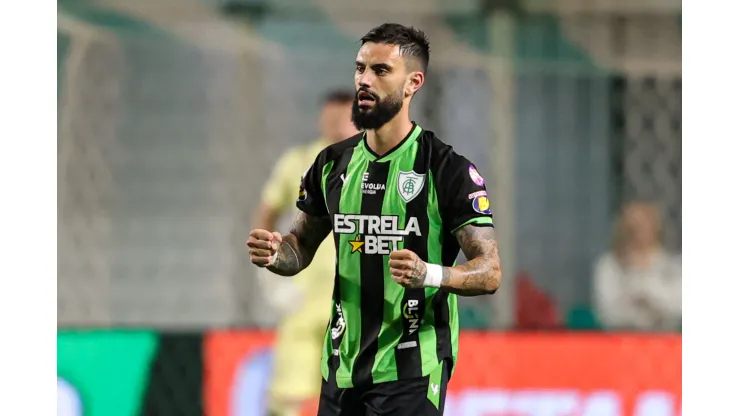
[
  {"x": 310, "y": 193},
  {"x": 279, "y": 190},
  {"x": 463, "y": 195}
]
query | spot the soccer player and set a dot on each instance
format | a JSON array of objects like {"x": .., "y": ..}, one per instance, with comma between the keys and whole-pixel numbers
[
  {"x": 401, "y": 205},
  {"x": 296, "y": 379}
]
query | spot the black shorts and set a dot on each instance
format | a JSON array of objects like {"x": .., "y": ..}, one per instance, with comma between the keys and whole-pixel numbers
[{"x": 423, "y": 396}]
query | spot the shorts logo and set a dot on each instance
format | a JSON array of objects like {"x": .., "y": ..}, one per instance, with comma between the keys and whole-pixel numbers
[
  {"x": 475, "y": 176},
  {"x": 482, "y": 205},
  {"x": 410, "y": 185}
]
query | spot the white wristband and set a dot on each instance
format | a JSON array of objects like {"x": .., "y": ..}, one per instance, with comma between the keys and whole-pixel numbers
[{"x": 434, "y": 275}]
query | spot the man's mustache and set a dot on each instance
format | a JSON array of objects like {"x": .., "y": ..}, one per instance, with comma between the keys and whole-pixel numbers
[{"x": 366, "y": 91}]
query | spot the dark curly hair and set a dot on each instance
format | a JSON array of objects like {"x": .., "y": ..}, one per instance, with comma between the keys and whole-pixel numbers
[{"x": 412, "y": 42}]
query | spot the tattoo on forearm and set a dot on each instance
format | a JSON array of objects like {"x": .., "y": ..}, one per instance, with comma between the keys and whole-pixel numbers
[
  {"x": 300, "y": 245},
  {"x": 419, "y": 272},
  {"x": 288, "y": 262},
  {"x": 482, "y": 273}
]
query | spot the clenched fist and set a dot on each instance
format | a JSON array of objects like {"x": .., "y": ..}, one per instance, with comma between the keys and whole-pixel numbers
[
  {"x": 407, "y": 269},
  {"x": 263, "y": 245}
]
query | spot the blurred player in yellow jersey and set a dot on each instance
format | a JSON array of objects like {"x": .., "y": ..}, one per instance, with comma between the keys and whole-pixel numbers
[{"x": 297, "y": 374}]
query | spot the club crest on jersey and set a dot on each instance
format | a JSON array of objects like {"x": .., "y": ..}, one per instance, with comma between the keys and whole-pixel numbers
[{"x": 410, "y": 185}]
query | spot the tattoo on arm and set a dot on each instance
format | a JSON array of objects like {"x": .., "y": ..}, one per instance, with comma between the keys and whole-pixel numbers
[
  {"x": 482, "y": 273},
  {"x": 300, "y": 245}
]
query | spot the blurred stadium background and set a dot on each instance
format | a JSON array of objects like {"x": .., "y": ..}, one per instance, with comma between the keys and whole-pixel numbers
[{"x": 171, "y": 114}]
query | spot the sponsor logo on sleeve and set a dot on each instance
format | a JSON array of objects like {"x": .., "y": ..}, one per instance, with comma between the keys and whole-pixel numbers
[
  {"x": 475, "y": 176},
  {"x": 302, "y": 194},
  {"x": 482, "y": 205},
  {"x": 477, "y": 194}
]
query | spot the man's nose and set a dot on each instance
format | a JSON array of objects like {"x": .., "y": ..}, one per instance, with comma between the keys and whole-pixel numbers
[{"x": 366, "y": 80}]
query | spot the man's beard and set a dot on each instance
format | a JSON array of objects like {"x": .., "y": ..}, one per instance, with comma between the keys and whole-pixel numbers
[{"x": 375, "y": 117}]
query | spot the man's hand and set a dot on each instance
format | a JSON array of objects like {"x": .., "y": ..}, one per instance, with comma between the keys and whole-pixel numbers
[
  {"x": 288, "y": 255},
  {"x": 407, "y": 269},
  {"x": 263, "y": 245}
]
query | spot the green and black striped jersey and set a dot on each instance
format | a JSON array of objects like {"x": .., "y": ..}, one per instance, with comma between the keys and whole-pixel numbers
[{"x": 413, "y": 197}]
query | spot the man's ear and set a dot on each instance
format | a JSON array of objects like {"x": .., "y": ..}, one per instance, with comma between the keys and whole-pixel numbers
[{"x": 414, "y": 81}]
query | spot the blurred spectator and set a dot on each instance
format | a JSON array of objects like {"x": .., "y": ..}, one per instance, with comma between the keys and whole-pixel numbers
[
  {"x": 303, "y": 301},
  {"x": 535, "y": 309},
  {"x": 637, "y": 284}
]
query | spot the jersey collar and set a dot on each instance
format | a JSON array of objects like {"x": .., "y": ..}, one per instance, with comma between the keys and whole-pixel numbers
[{"x": 396, "y": 151}]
